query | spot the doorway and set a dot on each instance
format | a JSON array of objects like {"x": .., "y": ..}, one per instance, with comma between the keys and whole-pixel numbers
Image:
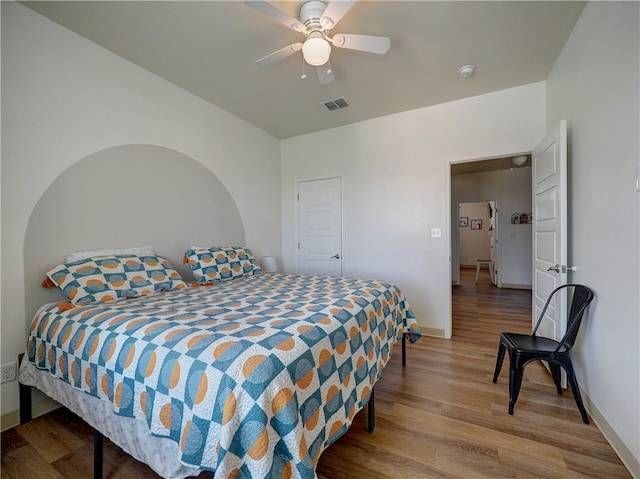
[{"x": 507, "y": 181}]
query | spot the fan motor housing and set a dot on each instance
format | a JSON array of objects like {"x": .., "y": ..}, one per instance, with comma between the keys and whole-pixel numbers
[{"x": 311, "y": 12}]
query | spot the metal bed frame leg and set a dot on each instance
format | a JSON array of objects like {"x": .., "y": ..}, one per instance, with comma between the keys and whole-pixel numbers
[
  {"x": 371, "y": 408},
  {"x": 404, "y": 349},
  {"x": 24, "y": 395},
  {"x": 371, "y": 414},
  {"x": 98, "y": 443}
]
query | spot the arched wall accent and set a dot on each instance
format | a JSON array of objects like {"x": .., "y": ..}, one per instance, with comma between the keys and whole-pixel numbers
[{"x": 127, "y": 196}]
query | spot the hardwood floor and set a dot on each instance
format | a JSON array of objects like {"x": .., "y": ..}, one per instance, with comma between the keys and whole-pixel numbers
[{"x": 439, "y": 417}]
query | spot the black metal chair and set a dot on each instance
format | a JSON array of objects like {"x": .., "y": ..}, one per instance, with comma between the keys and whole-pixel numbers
[{"x": 524, "y": 348}]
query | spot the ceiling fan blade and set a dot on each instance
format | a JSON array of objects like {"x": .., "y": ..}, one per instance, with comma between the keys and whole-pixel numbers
[
  {"x": 325, "y": 73},
  {"x": 267, "y": 8},
  {"x": 364, "y": 43},
  {"x": 279, "y": 55},
  {"x": 334, "y": 12}
]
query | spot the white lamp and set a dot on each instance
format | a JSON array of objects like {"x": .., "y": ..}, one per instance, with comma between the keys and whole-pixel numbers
[
  {"x": 316, "y": 50},
  {"x": 269, "y": 264}
]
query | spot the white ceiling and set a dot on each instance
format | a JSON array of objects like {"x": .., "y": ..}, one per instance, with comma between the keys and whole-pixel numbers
[{"x": 209, "y": 49}]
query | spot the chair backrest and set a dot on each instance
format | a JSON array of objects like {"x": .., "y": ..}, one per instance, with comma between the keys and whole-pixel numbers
[
  {"x": 582, "y": 296},
  {"x": 579, "y": 301}
]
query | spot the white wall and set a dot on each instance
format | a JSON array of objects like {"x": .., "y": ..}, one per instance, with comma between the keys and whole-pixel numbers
[
  {"x": 595, "y": 85},
  {"x": 474, "y": 244},
  {"x": 512, "y": 190},
  {"x": 64, "y": 98},
  {"x": 395, "y": 176}
]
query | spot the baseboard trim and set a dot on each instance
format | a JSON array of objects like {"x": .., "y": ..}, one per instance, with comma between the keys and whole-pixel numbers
[
  {"x": 516, "y": 286},
  {"x": 631, "y": 462},
  {"x": 40, "y": 407},
  {"x": 434, "y": 332}
]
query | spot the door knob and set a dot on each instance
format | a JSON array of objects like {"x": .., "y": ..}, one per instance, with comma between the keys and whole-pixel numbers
[
  {"x": 336, "y": 256},
  {"x": 557, "y": 268}
]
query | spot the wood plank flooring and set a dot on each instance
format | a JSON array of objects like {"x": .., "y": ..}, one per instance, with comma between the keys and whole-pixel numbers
[{"x": 439, "y": 417}]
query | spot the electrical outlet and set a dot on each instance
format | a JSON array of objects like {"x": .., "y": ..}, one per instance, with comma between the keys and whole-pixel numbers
[{"x": 8, "y": 372}]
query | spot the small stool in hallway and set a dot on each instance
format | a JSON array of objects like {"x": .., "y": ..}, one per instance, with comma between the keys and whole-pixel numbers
[{"x": 489, "y": 264}]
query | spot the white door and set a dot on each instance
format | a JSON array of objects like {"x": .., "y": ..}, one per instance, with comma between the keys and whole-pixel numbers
[
  {"x": 320, "y": 227},
  {"x": 549, "y": 161},
  {"x": 494, "y": 243}
]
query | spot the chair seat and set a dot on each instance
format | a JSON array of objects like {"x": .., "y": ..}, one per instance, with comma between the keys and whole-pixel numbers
[{"x": 526, "y": 343}]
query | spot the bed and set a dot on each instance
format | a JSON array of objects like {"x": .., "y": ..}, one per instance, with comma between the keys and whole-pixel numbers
[
  {"x": 249, "y": 376},
  {"x": 278, "y": 427}
]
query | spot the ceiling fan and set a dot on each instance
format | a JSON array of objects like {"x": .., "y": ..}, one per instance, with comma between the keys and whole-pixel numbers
[{"x": 316, "y": 19}]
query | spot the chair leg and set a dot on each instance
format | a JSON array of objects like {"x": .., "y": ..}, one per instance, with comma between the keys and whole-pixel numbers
[
  {"x": 573, "y": 382},
  {"x": 557, "y": 376},
  {"x": 516, "y": 372},
  {"x": 499, "y": 360}
]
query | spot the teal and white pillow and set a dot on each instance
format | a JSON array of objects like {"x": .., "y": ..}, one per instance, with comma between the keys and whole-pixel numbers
[
  {"x": 219, "y": 264},
  {"x": 109, "y": 278}
]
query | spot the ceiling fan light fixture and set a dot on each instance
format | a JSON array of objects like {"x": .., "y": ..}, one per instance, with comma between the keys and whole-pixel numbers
[{"x": 316, "y": 51}]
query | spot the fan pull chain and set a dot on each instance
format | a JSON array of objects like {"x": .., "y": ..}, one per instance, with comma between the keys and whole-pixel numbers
[{"x": 304, "y": 75}]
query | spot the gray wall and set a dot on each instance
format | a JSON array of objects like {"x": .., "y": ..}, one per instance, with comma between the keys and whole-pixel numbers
[{"x": 127, "y": 196}]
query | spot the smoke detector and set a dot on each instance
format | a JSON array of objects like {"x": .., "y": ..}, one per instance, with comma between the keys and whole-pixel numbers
[{"x": 467, "y": 70}]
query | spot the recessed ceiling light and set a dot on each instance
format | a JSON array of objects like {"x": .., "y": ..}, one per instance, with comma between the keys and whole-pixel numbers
[{"x": 467, "y": 70}]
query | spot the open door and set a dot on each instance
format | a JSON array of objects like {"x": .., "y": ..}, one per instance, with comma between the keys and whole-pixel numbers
[
  {"x": 549, "y": 176},
  {"x": 494, "y": 243}
]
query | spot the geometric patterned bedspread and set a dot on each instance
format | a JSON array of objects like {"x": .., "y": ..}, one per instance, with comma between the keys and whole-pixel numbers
[{"x": 252, "y": 378}]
